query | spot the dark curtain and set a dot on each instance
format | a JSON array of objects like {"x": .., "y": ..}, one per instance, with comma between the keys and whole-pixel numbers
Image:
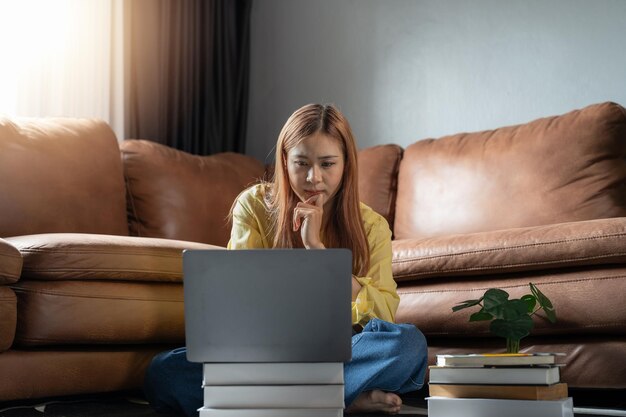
[{"x": 188, "y": 73}]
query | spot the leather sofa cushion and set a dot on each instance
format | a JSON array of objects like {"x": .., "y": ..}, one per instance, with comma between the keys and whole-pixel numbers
[
  {"x": 8, "y": 317},
  {"x": 10, "y": 263},
  {"x": 587, "y": 301},
  {"x": 176, "y": 195},
  {"x": 98, "y": 312},
  {"x": 552, "y": 170},
  {"x": 378, "y": 178},
  {"x": 65, "y": 175},
  {"x": 592, "y": 242},
  {"x": 72, "y": 256},
  {"x": 70, "y": 371}
]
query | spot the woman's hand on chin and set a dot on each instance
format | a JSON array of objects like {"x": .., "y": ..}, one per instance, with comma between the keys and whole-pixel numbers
[{"x": 307, "y": 217}]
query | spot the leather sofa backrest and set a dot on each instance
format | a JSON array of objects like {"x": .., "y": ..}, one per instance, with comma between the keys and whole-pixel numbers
[
  {"x": 378, "y": 178},
  {"x": 60, "y": 175},
  {"x": 176, "y": 195},
  {"x": 552, "y": 170}
]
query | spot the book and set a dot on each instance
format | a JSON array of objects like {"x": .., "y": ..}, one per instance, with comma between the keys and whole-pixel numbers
[
  {"x": 536, "y": 375},
  {"x": 271, "y": 412},
  {"x": 282, "y": 373},
  {"x": 274, "y": 396},
  {"x": 511, "y": 392},
  {"x": 498, "y": 359},
  {"x": 478, "y": 407}
]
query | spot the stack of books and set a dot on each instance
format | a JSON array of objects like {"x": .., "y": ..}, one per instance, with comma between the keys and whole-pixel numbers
[
  {"x": 486, "y": 385},
  {"x": 310, "y": 389}
]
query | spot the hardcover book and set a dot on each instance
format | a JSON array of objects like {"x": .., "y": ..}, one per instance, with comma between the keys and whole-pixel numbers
[
  {"x": 511, "y": 392},
  {"x": 274, "y": 396},
  {"x": 478, "y": 407},
  {"x": 498, "y": 359},
  {"x": 545, "y": 375},
  {"x": 271, "y": 412},
  {"x": 278, "y": 373}
]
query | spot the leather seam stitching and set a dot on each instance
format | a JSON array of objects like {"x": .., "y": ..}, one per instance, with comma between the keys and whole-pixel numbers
[
  {"x": 471, "y": 252},
  {"x": 121, "y": 252},
  {"x": 112, "y": 297},
  {"x": 87, "y": 270},
  {"x": 564, "y": 281},
  {"x": 582, "y": 326},
  {"x": 492, "y": 267}
]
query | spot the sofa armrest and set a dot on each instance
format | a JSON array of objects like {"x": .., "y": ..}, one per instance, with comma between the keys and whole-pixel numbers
[
  {"x": 10, "y": 263},
  {"x": 10, "y": 269},
  {"x": 571, "y": 244},
  {"x": 75, "y": 256}
]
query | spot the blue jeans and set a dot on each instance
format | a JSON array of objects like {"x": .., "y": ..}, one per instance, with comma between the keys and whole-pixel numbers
[{"x": 385, "y": 356}]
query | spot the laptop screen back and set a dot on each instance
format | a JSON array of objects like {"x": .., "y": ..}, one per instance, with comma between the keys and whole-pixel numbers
[{"x": 278, "y": 305}]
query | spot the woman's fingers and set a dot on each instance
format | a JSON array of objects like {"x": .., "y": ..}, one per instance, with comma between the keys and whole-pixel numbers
[
  {"x": 296, "y": 220},
  {"x": 315, "y": 200},
  {"x": 299, "y": 214},
  {"x": 303, "y": 210}
]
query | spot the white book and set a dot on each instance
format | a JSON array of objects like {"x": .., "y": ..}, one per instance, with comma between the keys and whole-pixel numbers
[
  {"x": 498, "y": 359},
  {"x": 479, "y": 407},
  {"x": 271, "y": 412},
  {"x": 274, "y": 396},
  {"x": 284, "y": 373},
  {"x": 539, "y": 375}
]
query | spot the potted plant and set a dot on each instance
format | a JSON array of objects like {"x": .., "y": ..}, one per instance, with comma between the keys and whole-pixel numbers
[{"x": 512, "y": 318}]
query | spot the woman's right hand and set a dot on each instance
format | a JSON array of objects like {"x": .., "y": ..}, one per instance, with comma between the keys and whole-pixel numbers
[{"x": 307, "y": 217}]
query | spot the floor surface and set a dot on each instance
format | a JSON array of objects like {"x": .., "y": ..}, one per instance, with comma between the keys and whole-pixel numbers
[{"x": 132, "y": 404}]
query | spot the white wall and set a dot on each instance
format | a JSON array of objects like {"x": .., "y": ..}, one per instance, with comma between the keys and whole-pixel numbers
[{"x": 404, "y": 70}]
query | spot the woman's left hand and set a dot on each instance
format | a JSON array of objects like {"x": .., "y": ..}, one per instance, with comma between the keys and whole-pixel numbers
[{"x": 307, "y": 217}]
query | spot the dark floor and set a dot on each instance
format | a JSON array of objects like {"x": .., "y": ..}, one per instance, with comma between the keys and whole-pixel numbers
[
  {"x": 124, "y": 404},
  {"x": 104, "y": 405},
  {"x": 132, "y": 404}
]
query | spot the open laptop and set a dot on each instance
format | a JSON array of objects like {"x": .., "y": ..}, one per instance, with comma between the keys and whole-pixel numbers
[{"x": 268, "y": 305}]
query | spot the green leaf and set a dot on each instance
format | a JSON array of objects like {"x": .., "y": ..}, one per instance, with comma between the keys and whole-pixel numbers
[
  {"x": 494, "y": 300},
  {"x": 514, "y": 309},
  {"x": 512, "y": 329},
  {"x": 550, "y": 314},
  {"x": 544, "y": 303},
  {"x": 466, "y": 304},
  {"x": 531, "y": 301},
  {"x": 480, "y": 316}
]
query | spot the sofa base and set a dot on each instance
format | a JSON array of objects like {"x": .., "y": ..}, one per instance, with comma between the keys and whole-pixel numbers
[{"x": 29, "y": 374}]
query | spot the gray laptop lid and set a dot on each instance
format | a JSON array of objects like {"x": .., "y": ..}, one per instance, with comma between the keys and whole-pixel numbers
[{"x": 268, "y": 305}]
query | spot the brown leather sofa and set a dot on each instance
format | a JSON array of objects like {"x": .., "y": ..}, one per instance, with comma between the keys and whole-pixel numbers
[{"x": 90, "y": 260}]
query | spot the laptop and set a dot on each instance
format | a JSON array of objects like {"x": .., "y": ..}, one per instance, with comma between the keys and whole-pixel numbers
[{"x": 268, "y": 305}]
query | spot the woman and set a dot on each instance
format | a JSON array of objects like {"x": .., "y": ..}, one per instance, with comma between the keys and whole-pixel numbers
[{"x": 313, "y": 203}]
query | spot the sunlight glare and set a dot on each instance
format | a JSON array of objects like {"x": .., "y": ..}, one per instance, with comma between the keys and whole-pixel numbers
[{"x": 32, "y": 34}]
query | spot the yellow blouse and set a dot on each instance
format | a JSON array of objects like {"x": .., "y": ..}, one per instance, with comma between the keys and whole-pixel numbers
[{"x": 377, "y": 297}]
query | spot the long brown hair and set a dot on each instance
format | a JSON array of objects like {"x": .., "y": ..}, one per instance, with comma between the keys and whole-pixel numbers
[{"x": 345, "y": 228}]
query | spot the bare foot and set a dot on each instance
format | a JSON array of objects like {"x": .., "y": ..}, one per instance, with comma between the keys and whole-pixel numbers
[{"x": 375, "y": 401}]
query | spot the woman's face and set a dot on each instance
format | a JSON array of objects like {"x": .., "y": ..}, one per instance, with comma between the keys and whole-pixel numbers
[{"x": 315, "y": 167}]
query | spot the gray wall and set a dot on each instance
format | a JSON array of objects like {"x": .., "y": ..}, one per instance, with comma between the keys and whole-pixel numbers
[{"x": 404, "y": 70}]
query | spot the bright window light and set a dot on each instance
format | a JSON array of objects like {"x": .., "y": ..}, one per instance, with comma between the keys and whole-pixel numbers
[
  {"x": 33, "y": 32},
  {"x": 57, "y": 57}
]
